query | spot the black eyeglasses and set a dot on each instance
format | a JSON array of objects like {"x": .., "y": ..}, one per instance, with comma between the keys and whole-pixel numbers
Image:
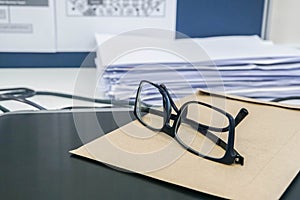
[{"x": 200, "y": 128}]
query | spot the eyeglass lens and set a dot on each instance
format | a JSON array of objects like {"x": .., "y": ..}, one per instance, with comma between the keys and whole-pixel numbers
[{"x": 192, "y": 132}]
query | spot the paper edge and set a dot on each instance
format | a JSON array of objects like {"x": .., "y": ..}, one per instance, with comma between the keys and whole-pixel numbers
[{"x": 246, "y": 99}]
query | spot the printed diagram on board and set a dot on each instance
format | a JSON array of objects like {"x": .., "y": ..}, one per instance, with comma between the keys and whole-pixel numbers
[{"x": 116, "y": 8}]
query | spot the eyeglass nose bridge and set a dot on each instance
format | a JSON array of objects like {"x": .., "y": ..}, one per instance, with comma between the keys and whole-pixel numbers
[
  {"x": 168, "y": 110},
  {"x": 166, "y": 93}
]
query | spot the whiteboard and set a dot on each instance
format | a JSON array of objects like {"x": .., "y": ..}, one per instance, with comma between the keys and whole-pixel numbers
[
  {"x": 79, "y": 20},
  {"x": 27, "y": 26}
]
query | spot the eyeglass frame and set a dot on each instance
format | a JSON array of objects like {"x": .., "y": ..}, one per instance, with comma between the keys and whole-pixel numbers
[{"x": 231, "y": 155}]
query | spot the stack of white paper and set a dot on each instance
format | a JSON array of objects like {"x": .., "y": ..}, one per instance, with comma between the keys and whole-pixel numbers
[{"x": 242, "y": 65}]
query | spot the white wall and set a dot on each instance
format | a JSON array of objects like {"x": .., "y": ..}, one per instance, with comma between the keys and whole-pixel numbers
[{"x": 284, "y": 24}]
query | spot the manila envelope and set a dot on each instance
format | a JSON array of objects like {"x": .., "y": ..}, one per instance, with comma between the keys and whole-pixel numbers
[{"x": 268, "y": 138}]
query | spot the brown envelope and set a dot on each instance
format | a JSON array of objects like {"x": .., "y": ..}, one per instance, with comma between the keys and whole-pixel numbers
[{"x": 268, "y": 138}]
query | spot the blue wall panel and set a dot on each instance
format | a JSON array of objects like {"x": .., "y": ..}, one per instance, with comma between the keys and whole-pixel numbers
[
  {"x": 66, "y": 59},
  {"x": 203, "y": 18},
  {"x": 195, "y": 18}
]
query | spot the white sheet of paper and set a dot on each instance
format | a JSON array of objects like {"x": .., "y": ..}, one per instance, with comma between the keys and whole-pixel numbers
[{"x": 226, "y": 50}]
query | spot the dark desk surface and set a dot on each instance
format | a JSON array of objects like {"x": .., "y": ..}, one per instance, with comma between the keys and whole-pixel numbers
[{"x": 35, "y": 164}]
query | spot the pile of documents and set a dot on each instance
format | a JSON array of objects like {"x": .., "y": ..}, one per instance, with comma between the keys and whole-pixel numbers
[{"x": 241, "y": 65}]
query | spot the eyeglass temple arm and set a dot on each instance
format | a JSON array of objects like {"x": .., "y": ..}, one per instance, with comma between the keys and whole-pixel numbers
[
  {"x": 241, "y": 116},
  {"x": 204, "y": 131},
  {"x": 196, "y": 126},
  {"x": 238, "y": 119},
  {"x": 207, "y": 133},
  {"x": 157, "y": 112}
]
